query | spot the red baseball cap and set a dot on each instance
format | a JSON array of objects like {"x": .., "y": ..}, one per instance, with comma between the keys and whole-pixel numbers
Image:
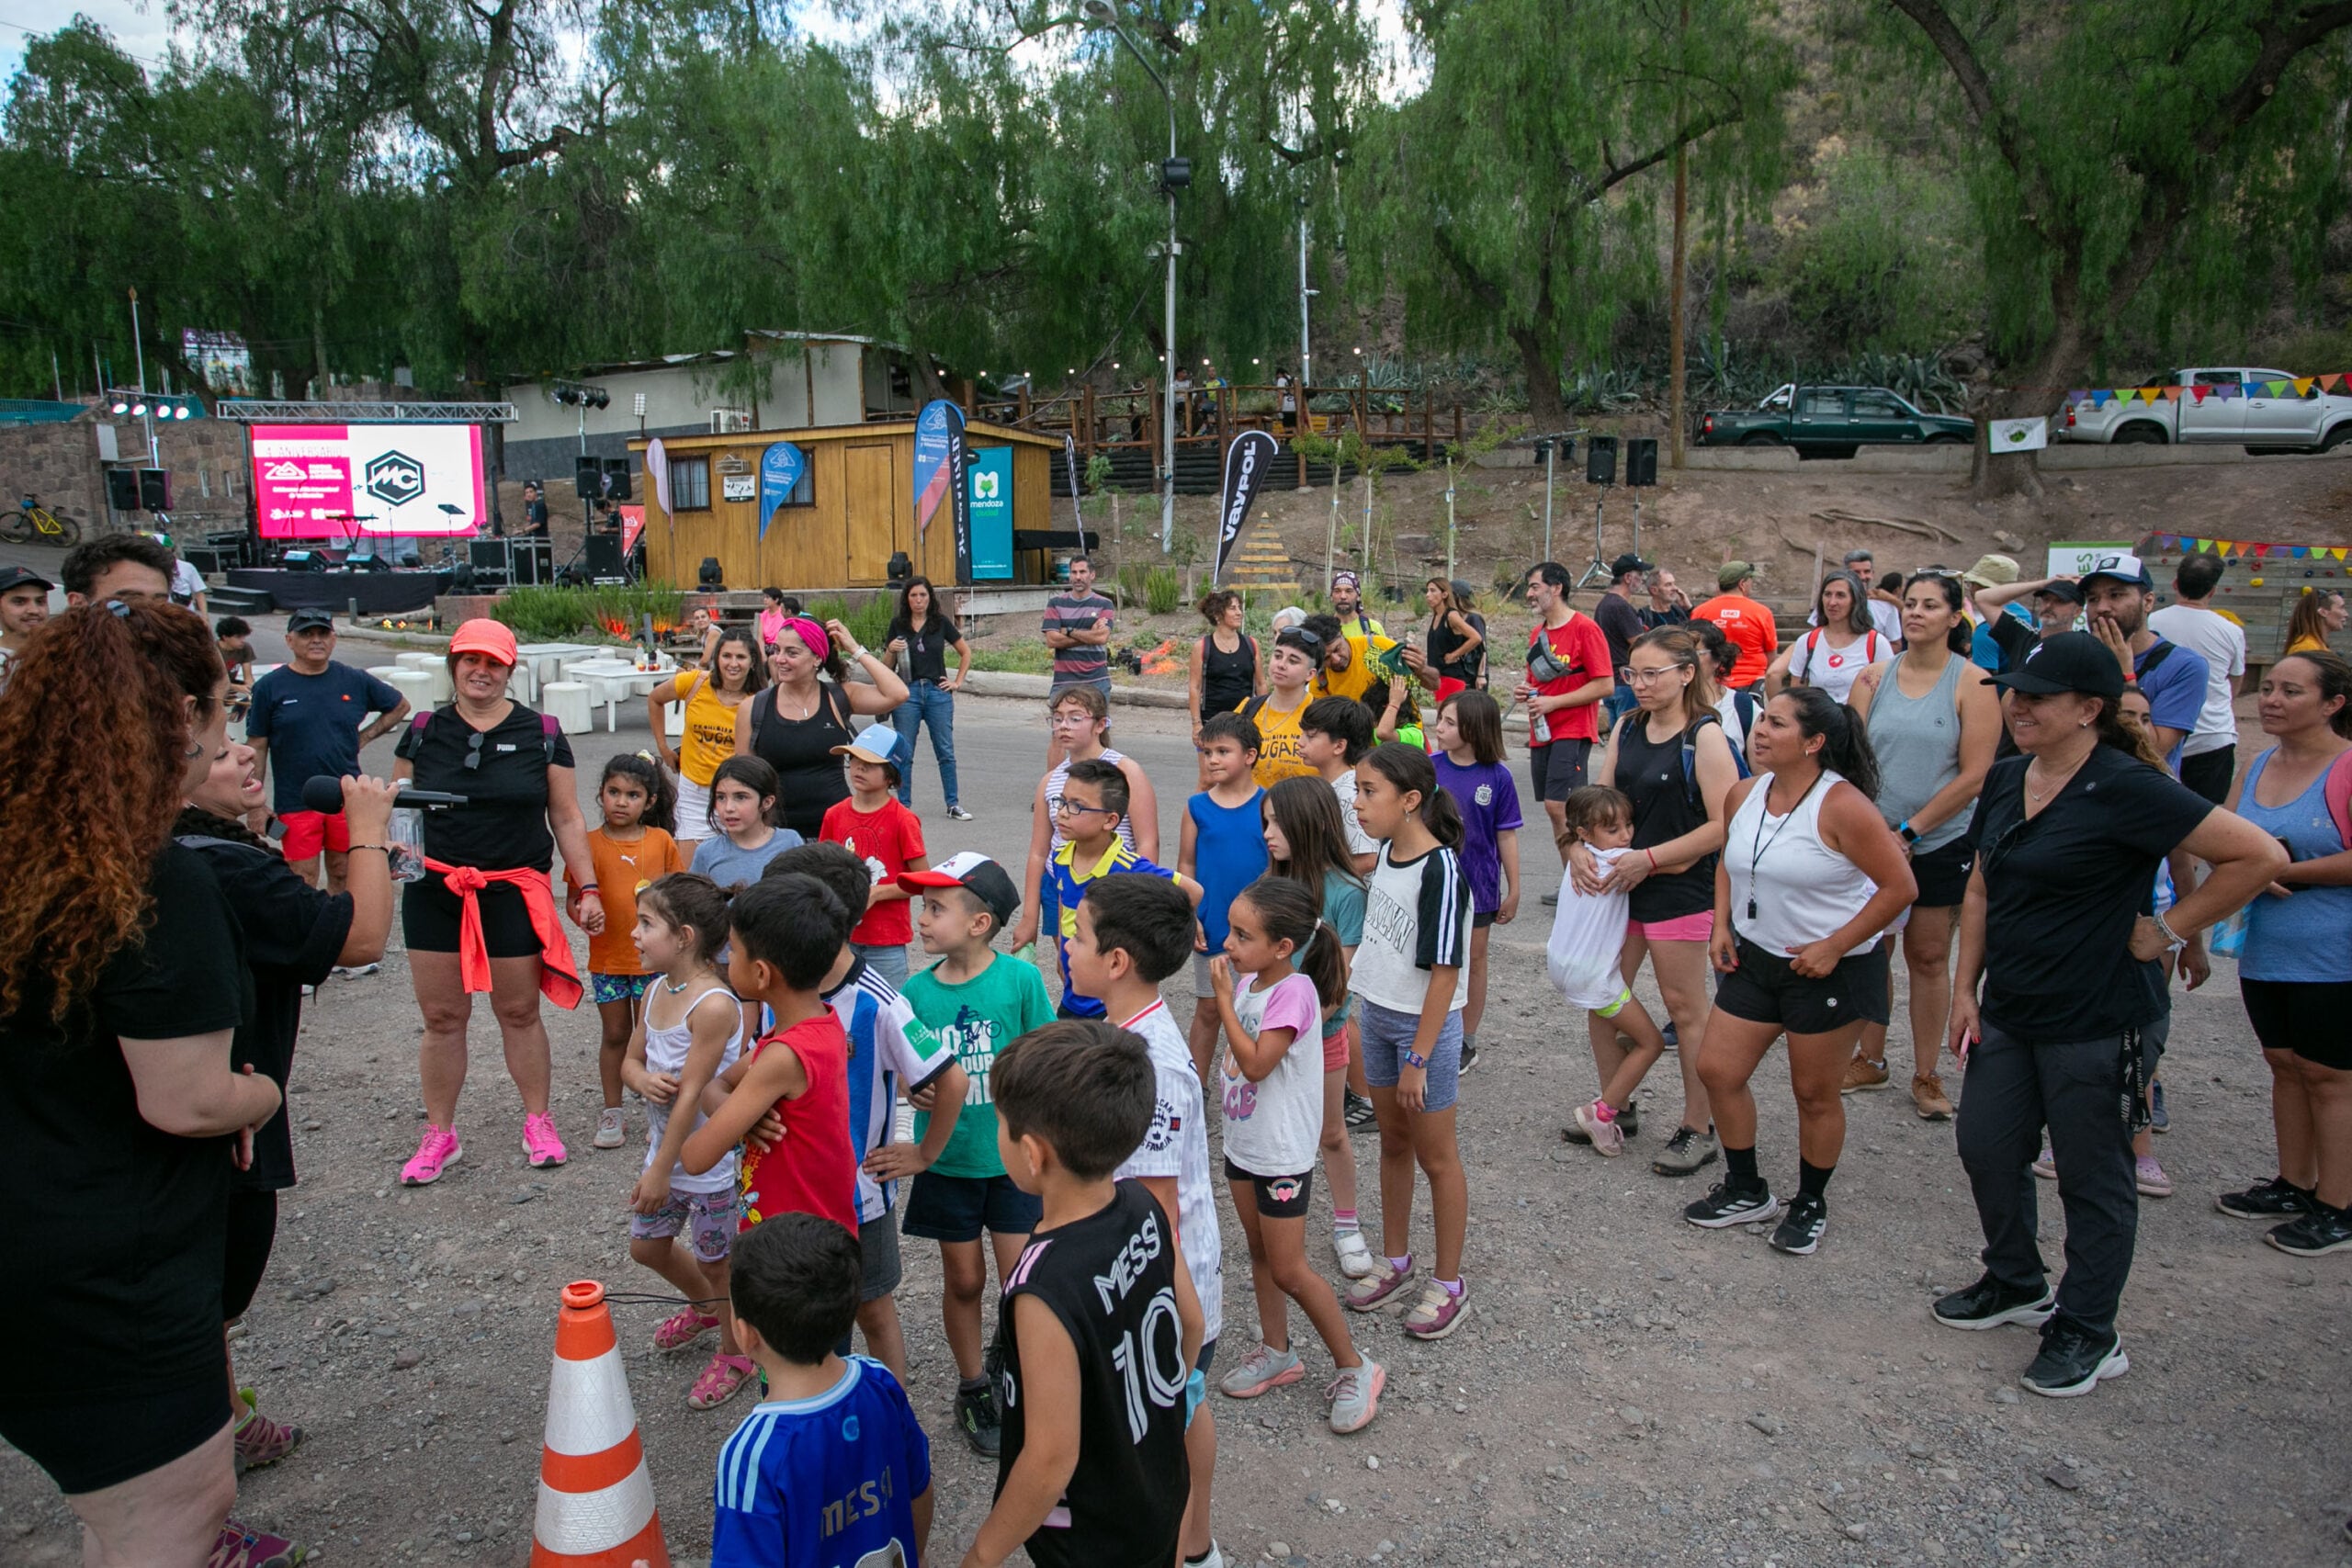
[{"x": 486, "y": 636}]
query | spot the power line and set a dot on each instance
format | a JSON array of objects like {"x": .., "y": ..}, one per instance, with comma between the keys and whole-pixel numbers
[{"x": 38, "y": 33}]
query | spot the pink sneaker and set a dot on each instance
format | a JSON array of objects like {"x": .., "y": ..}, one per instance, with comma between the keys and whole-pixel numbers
[
  {"x": 683, "y": 1330},
  {"x": 1385, "y": 1281},
  {"x": 541, "y": 1143},
  {"x": 240, "y": 1547},
  {"x": 1606, "y": 1137},
  {"x": 438, "y": 1148},
  {"x": 720, "y": 1380},
  {"x": 1437, "y": 1314},
  {"x": 258, "y": 1441}
]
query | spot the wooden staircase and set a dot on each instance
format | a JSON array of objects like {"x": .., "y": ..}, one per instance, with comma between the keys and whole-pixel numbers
[{"x": 1261, "y": 563}]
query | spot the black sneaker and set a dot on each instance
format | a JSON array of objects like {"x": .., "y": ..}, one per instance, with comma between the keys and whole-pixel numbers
[
  {"x": 2324, "y": 1229},
  {"x": 1469, "y": 1059},
  {"x": 1728, "y": 1205},
  {"x": 1988, "y": 1303},
  {"x": 978, "y": 1418},
  {"x": 1673, "y": 1037},
  {"x": 1360, "y": 1116},
  {"x": 1800, "y": 1229},
  {"x": 2073, "y": 1360},
  {"x": 2276, "y": 1199}
]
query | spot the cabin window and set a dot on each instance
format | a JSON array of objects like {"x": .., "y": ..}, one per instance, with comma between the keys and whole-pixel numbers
[{"x": 689, "y": 484}]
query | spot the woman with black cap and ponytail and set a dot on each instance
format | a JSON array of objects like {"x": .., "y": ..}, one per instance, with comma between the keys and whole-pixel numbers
[{"x": 1810, "y": 877}]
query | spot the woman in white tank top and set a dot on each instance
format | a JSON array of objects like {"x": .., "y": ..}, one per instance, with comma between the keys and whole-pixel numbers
[
  {"x": 1842, "y": 642},
  {"x": 1811, "y": 877}
]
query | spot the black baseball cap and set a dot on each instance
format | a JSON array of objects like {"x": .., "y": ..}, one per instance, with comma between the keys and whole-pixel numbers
[
  {"x": 13, "y": 577},
  {"x": 313, "y": 618},
  {"x": 976, "y": 874},
  {"x": 2071, "y": 661},
  {"x": 2058, "y": 588},
  {"x": 1627, "y": 562}
]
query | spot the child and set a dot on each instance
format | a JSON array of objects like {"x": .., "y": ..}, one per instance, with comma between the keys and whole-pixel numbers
[
  {"x": 632, "y": 848},
  {"x": 1469, "y": 735},
  {"x": 1133, "y": 932},
  {"x": 1585, "y": 958},
  {"x": 742, "y": 808},
  {"x": 1099, "y": 1317},
  {"x": 1224, "y": 847},
  {"x": 888, "y": 837},
  {"x": 1273, "y": 1121},
  {"x": 1297, "y": 654},
  {"x": 785, "y": 934},
  {"x": 1409, "y": 974},
  {"x": 1332, "y": 738},
  {"x": 687, "y": 1037},
  {"x": 831, "y": 1467},
  {"x": 1307, "y": 843},
  {"x": 1092, "y": 804}
]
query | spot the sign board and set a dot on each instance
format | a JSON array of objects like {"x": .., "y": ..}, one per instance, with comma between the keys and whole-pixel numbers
[
  {"x": 2073, "y": 557},
  {"x": 738, "y": 487},
  {"x": 939, "y": 468},
  {"x": 221, "y": 360},
  {"x": 990, "y": 470},
  {"x": 324, "y": 481},
  {"x": 782, "y": 466}
]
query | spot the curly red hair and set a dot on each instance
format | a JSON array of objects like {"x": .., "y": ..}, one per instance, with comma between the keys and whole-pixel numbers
[{"x": 92, "y": 723}]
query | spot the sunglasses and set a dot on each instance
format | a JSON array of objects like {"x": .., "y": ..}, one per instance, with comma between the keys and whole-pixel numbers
[
  {"x": 1298, "y": 636},
  {"x": 473, "y": 750}
]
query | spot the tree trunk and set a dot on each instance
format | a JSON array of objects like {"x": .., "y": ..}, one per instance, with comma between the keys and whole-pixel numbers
[
  {"x": 2042, "y": 383},
  {"x": 1544, "y": 405}
]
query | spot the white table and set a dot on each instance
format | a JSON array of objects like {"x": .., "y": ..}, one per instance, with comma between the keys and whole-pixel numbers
[
  {"x": 545, "y": 659},
  {"x": 609, "y": 681}
]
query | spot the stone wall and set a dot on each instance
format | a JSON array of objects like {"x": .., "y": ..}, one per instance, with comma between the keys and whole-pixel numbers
[{"x": 210, "y": 471}]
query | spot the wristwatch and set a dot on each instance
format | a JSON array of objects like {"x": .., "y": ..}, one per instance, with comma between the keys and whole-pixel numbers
[{"x": 1910, "y": 834}]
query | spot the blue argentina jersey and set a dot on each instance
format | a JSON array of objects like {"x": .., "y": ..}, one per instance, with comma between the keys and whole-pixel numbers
[{"x": 823, "y": 1483}]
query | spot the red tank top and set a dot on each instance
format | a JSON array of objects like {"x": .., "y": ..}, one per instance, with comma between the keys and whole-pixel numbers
[{"x": 812, "y": 1171}]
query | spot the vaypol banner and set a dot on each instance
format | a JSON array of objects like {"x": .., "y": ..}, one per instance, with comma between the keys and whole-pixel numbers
[
  {"x": 1247, "y": 458},
  {"x": 939, "y": 478},
  {"x": 781, "y": 466}
]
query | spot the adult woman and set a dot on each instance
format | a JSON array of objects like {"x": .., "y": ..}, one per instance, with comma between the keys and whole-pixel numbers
[
  {"x": 1226, "y": 668},
  {"x": 797, "y": 722},
  {"x": 1452, "y": 649},
  {"x": 295, "y": 934},
  {"x": 2295, "y": 974},
  {"x": 1296, "y": 656},
  {"x": 1934, "y": 724},
  {"x": 123, "y": 982},
  {"x": 1081, "y": 719},
  {"x": 773, "y": 616},
  {"x": 1810, "y": 876},
  {"x": 1843, "y": 642},
  {"x": 1670, "y": 757},
  {"x": 2319, "y": 615},
  {"x": 922, "y": 634},
  {"x": 2056, "y": 925},
  {"x": 713, "y": 696},
  {"x": 482, "y": 918}
]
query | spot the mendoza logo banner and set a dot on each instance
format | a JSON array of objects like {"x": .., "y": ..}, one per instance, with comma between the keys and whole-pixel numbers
[
  {"x": 781, "y": 466},
  {"x": 1246, "y": 459}
]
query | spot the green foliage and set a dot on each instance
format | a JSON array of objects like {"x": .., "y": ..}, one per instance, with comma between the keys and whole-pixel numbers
[
  {"x": 1025, "y": 656},
  {"x": 868, "y": 620},
  {"x": 1163, "y": 590},
  {"x": 573, "y": 614},
  {"x": 1892, "y": 257}
]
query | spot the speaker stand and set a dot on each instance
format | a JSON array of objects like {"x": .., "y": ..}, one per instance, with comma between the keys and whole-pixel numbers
[{"x": 1598, "y": 572}]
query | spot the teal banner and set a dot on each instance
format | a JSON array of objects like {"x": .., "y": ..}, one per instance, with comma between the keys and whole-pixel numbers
[{"x": 989, "y": 471}]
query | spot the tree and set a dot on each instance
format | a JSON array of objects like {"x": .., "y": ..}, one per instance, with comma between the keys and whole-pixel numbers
[{"x": 2177, "y": 157}]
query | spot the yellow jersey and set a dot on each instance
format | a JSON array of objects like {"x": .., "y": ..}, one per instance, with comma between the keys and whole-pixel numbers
[{"x": 709, "y": 738}]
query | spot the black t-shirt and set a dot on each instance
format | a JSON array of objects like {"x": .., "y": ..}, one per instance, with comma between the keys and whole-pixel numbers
[
  {"x": 535, "y": 518},
  {"x": 293, "y": 934},
  {"x": 2062, "y": 891},
  {"x": 926, "y": 648},
  {"x": 1621, "y": 624},
  {"x": 1653, "y": 778},
  {"x": 120, "y": 1227},
  {"x": 1110, "y": 1279},
  {"x": 504, "y": 824}
]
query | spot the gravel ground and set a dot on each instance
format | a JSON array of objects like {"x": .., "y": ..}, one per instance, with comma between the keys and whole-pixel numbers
[{"x": 1625, "y": 1389}]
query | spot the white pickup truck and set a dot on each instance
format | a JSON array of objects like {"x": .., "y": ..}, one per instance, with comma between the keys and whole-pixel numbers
[{"x": 2263, "y": 411}]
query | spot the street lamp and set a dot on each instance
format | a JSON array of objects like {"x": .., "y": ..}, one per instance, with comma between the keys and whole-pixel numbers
[{"x": 1174, "y": 175}]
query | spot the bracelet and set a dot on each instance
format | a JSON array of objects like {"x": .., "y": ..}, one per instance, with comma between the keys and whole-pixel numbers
[
  {"x": 1413, "y": 1058},
  {"x": 2174, "y": 940},
  {"x": 380, "y": 849},
  {"x": 1653, "y": 854},
  {"x": 581, "y": 889}
]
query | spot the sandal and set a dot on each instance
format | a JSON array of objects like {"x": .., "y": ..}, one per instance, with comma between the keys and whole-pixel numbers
[
  {"x": 683, "y": 1330},
  {"x": 720, "y": 1380}
]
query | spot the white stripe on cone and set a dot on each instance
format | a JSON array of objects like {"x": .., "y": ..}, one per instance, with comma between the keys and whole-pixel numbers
[
  {"x": 588, "y": 1404},
  {"x": 580, "y": 1523}
]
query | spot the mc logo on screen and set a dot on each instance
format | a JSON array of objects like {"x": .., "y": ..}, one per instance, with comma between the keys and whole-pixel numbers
[{"x": 395, "y": 478}]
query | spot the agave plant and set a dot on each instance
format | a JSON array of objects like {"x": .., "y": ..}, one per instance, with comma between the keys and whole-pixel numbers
[{"x": 1920, "y": 378}]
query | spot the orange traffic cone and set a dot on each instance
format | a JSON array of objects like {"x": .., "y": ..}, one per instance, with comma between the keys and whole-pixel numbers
[{"x": 595, "y": 1497}]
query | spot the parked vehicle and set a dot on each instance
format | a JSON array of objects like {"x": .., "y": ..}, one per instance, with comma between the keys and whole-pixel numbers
[
  {"x": 1832, "y": 422},
  {"x": 2263, "y": 411}
]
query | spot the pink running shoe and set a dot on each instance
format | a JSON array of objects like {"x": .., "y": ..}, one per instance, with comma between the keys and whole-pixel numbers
[
  {"x": 683, "y": 1330},
  {"x": 1385, "y": 1281},
  {"x": 541, "y": 1143},
  {"x": 243, "y": 1547},
  {"x": 259, "y": 1440},
  {"x": 722, "y": 1381},
  {"x": 1606, "y": 1137},
  {"x": 1437, "y": 1314},
  {"x": 438, "y": 1148}
]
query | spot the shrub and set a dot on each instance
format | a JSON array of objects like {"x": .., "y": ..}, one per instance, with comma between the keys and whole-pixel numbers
[{"x": 566, "y": 615}]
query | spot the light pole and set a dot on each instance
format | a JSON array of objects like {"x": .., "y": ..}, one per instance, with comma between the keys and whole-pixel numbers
[
  {"x": 138, "y": 357},
  {"x": 1174, "y": 175}
]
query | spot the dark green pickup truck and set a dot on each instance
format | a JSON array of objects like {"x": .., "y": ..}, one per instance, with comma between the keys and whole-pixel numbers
[{"x": 1832, "y": 422}]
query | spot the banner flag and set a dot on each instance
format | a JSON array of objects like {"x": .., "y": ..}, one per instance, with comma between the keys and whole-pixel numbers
[
  {"x": 1246, "y": 459},
  {"x": 781, "y": 467},
  {"x": 939, "y": 478},
  {"x": 632, "y": 527},
  {"x": 2016, "y": 435}
]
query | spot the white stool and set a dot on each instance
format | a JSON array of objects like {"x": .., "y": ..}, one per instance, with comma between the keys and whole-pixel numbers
[
  {"x": 566, "y": 702},
  {"x": 436, "y": 667},
  {"x": 416, "y": 685}
]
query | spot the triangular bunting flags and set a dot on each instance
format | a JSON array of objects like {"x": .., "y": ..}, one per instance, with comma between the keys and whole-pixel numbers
[
  {"x": 2078, "y": 396},
  {"x": 2329, "y": 383},
  {"x": 2192, "y": 545},
  {"x": 2101, "y": 398},
  {"x": 2226, "y": 545},
  {"x": 2276, "y": 389},
  {"x": 2338, "y": 552},
  {"x": 2302, "y": 553},
  {"x": 2304, "y": 384},
  {"x": 2198, "y": 392},
  {"x": 2172, "y": 394}
]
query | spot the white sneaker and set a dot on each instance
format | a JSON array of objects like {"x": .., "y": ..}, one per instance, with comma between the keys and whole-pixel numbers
[
  {"x": 1606, "y": 1137},
  {"x": 1355, "y": 1258},
  {"x": 1212, "y": 1558},
  {"x": 610, "y": 1134},
  {"x": 352, "y": 971}
]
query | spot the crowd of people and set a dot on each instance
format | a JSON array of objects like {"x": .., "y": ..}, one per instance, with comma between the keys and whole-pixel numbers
[{"x": 2050, "y": 820}]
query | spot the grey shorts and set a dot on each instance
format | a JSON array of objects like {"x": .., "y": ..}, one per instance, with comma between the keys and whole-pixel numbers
[
  {"x": 877, "y": 1241},
  {"x": 1202, "y": 985},
  {"x": 1387, "y": 1033},
  {"x": 707, "y": 1220}
]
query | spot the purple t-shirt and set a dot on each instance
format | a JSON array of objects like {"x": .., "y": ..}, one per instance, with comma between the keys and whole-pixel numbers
[{"x": 1490, "y": 803}]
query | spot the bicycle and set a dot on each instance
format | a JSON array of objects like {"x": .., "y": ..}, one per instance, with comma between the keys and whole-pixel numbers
[{"x": 35, "y": 523}]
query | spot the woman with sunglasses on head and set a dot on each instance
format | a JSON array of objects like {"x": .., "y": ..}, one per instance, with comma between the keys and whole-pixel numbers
[
  {"x": 732, "y": 675},
  {"x": 483, "y": 918},
  {"x": 2059, "y": 927},
  {"x": 1934, "y": 725},
  {"x": 797, "y": 723}
]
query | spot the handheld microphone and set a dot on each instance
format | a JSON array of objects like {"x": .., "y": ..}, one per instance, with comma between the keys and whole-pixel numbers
[{"x": 324, "y": 792}]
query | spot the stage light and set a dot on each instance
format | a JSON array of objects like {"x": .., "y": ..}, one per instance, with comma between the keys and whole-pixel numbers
[
  {"x": 183, "y": 412},
  {"x": 138, "y": 410},
  {"x": 121, "y": 407}
]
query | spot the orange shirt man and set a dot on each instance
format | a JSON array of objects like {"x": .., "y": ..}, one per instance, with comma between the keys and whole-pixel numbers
[{"x": 1746, "y": 622}]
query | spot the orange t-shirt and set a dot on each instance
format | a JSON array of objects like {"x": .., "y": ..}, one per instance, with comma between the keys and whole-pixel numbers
[
  {"x": 621, "y": 870},
  {"x": 1750, "y": 628}
]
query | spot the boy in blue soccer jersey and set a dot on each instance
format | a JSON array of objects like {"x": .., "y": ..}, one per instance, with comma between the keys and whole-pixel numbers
[
  {"x": 1093, "y": 803},
  {"x": 831, "y": 1467}
]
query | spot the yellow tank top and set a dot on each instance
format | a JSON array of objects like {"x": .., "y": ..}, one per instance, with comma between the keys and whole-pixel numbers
[
  {"x": 1278, "y": 756},
  {"x": 710, "y": 732}
]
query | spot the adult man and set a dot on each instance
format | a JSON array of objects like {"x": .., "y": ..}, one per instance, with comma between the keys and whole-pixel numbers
[
  {"x": 1078, "y": 629},
  {"x": 234, "y": 635},
  {"x": 310, "y": 717},
  {"x": 1349, "y": 662},
  {"x": 1748, "y": 624},
  {"x": 535, "y": 511},
  {"x": 2118, "y": 592},
  {"x": 117, "y": 566},
  {"x": 1619, "y": 622},
  {"x": 1886, "y": 617},
  {"x": 24, "y": 609},
  {"x": 2057, "y": 602},
  {"x": 1668, "y": 606},
  {"x": 1572, "y": 667},
  {"x": 2209, "y": 758},
  {"x": 187, "y": 584},
  {"x": 2005, "y": 633},
  {"x": 1347, "y": 603}
]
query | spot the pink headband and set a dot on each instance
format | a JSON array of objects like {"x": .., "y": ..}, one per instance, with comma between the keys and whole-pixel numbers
[{"x": 811, "y": 635}]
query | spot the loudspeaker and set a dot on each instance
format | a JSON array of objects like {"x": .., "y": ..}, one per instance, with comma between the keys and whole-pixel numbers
[
  {"x": 1641, "y": 460},
  {"x": 487, "y": 558},
  {"x": 533, "y": 561},
  {"x": 588, "y": 477},
  {"x": 122, "y": 489},
  {"x": 616, "y": 479},
  {"x": 156, "y": 489},
  {"x": 302, "y": 560},
  {"x": 601, "y": 556},
  {"x": 1600, "y": 460}
]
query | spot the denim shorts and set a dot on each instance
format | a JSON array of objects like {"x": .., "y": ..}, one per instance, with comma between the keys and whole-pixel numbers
[
  {"x": 1386, "y": 1035},
  {"x": 707, "y": 1219},
  {"x": 603, "y": 988}
]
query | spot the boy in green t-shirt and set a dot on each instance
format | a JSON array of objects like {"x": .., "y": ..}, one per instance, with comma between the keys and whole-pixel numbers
[{"x": 978, "y": 1003}]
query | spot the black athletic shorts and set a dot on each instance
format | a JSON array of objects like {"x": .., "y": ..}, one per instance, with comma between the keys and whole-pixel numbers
[
  {"x": 2306, "y": 1017},
  {"x": 958, "y": 1208},
  {"x": 253, "y": 1230},
  {"x": 1558, "y": 770},
  {"x": 430, "y": 915},
  {"x": 89, "y": 1444},
  {"x": 1278, "y": 1197},
  {"x": 1766, "y": 989},
  {"x": 1943, "y": 872},
  {"x": 2209, "y": 773}
]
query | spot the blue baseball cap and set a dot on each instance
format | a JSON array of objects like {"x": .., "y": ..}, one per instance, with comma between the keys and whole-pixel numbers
[{"x": 877, "y": 743}]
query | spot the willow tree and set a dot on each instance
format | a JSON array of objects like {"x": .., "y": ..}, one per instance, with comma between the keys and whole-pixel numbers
[
  {"x": 1513, "y": 199},
  {"x": 2164, "y": 160}
]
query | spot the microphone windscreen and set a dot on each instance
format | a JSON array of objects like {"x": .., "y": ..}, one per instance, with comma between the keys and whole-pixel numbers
[{"x": 323, "y": 793}]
